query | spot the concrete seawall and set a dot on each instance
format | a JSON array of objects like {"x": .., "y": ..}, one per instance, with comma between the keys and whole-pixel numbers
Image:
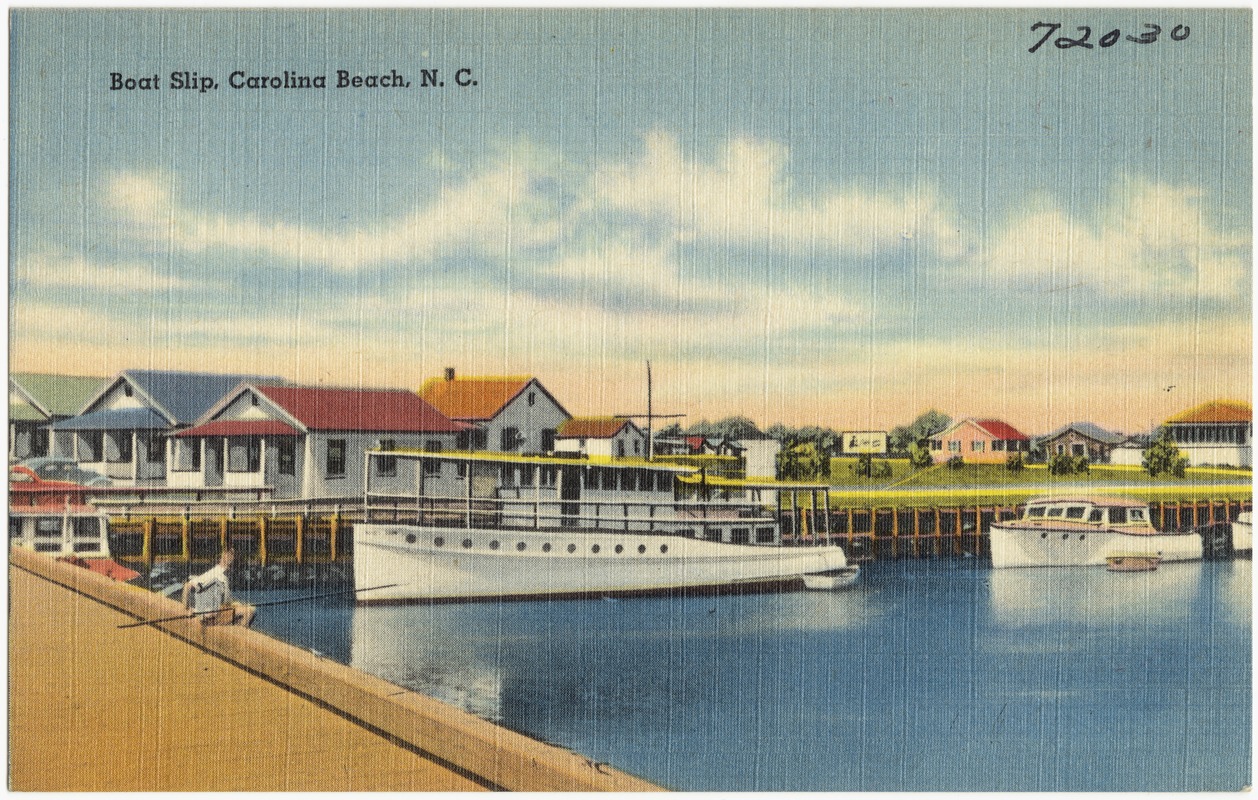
[{"x": 178, "y": 685}]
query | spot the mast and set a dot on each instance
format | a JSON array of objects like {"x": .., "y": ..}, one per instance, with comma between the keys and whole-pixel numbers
[{"x": 650, "y": 416}]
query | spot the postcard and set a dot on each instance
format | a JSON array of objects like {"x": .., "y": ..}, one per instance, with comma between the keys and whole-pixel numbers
[{"x": 713, "y": 399}]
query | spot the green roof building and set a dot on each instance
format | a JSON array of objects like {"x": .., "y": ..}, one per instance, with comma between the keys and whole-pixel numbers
[{"x": 37, "y": 399}]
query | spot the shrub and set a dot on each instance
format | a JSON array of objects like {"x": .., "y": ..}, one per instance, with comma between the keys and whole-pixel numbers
[
  {"x": 1015, "y": 462},
  {"x": 919, "y": 457},
  {"x": 882, "y": 469},
  {"x": 956, "y": 462},
  {"x": 1164, "y": 456}
]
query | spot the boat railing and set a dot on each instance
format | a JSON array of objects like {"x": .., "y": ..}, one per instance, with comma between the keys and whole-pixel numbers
[{"x": 608, "y": 515}]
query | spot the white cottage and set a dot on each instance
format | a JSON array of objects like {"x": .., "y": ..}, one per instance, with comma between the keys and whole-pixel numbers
[
  {"x": 121, "y": 432},
  {"x": 601, "y": 437},
  {"x": 303, "y": 441},
  {"x": 509, "y": 414}
]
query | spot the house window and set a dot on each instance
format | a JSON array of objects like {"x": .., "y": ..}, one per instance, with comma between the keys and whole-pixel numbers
[
  {"x": 244, "y": 454},
  {"x": 620, "y": 448},
  {"x": 187, "y": 455},
  {"x": 286, "y": 453},
  {"x": 122, "y": 448},
  {"x": 954, "y": 445},
  {"x": 336, "y": 458},
  {"x": 510, "y": 439},
  {"x": 1077, "y": 450},
  {"x": 532, "y": 398},
  {"x": 1061, "y": 449},
  {"x": 548, "y": 440},
  {"x": 976, "y": 446},
  {"x": 156, "y": 449},
  {"x": 936, "y": 444},
  {"x": 998, "y": 444}
]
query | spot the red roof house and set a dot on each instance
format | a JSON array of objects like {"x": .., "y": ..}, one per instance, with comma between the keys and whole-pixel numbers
[
  {"x": 303, "y": 441},
  {"x": 979, "y": 441}
]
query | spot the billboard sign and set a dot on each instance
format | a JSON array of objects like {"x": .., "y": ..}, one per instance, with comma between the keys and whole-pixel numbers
[{"x": 864, "y": 442}]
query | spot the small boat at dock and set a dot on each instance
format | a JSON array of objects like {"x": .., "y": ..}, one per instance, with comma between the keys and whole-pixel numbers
[
  {"x": 78, "y": 535},
  {"x": 1131, "y": 563},
  {"x": 1083, "y": 531},
  {"x": 466, "y": 526},
  {"x": 829, "y": 581}
]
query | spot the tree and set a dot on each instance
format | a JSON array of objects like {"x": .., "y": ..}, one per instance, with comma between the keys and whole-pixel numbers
[
  {"x": 1163, "y": 456},
  {"x": 927, "y": 423},
  {"x": 1015, "y": 462},
  {"x": 802, "y": 462},
  {"x": 735, "y": 428}
]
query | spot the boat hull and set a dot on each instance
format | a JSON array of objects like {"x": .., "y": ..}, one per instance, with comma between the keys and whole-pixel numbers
[
  {"x": 422, "y": 563},
  {"x": 1013, "y": 545}
]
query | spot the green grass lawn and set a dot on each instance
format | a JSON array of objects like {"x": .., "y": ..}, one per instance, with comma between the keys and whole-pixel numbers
[{"x": 993, "y": 484}]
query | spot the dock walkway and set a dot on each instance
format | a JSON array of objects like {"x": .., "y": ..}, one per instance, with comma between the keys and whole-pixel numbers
[{"x": 93, "y": 707}]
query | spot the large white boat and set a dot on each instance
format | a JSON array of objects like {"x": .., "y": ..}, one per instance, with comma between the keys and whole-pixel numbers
[
  {"x": 1243, "y": 532},
  {"x": 1081, "y": 531},
  {"x": 457, "y": 526}
]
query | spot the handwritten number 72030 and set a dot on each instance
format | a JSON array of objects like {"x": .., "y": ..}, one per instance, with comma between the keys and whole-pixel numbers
[{"x": 1178, "y": 34}]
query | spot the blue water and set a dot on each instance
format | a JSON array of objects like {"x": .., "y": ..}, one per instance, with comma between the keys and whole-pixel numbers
[{"x": 928, "y": 675}]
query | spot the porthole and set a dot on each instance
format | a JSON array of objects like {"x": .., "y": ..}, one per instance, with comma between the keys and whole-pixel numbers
[
  {"x": 595, "y": 549},
  {"x": 546, "y": 547},
  {"x": 572, "y": 548},
  {"x": 1043, "y": 534},
  {"x": 410, "y": 538},
  {"x": 1065, "y": 536},
  {"x": 620, "y": 548},
  {"x": 663, "y": 548},
  {"x": 439, "y": 542},
  {"x": 467, "y": 543},
  {"x": 641, "y": 549},
  {"x": 520, "y": 546},
  {"x": 1082, "y": 536},
  {"x": 494, "y": 545}
]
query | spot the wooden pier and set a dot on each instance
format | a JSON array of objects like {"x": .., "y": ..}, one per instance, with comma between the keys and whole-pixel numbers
[{"x": 280, "y": 536}]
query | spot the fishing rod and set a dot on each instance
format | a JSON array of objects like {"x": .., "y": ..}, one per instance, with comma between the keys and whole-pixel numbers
[{"x": 258, "y": 605}]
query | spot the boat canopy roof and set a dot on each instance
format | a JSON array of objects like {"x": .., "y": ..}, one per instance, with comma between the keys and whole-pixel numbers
[
  {"x": 1093, "y": 500},
  {"x": 539, "y": 460}
]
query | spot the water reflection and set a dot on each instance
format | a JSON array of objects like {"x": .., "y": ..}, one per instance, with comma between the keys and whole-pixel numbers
[
  {"x": 1049, "y": 595},
  {"x": 427, "y": 652}
]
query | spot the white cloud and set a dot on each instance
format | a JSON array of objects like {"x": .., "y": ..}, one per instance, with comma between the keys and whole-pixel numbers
[
  {"x": 490, "y": 211},
  {"x": 744, "y": 195},
  {"x": 1152, "y": 239},
  {"x": 53, "y": 270}
]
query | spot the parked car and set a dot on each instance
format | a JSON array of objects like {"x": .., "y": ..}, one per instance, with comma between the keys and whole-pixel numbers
[{"x": 61, "y": 469}]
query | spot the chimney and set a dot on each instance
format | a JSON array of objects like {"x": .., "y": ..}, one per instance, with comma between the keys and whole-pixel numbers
[{"x": 449, "y": 373}]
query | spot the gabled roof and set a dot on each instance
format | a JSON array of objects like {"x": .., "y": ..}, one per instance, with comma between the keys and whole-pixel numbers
[
  {"x": 1215, "y": 411},
  {"x": 477, "y": 398},
  {"x": 591, "y": 428},
  {"x": 992, "y": 427},
  {"x": 51, "y": 395},
  {"x": 1088, "y": 430},
  {"x": 180, "y": 397},
  {"x": 114, "y": 419},
  {"x": 376, "y": 410}
]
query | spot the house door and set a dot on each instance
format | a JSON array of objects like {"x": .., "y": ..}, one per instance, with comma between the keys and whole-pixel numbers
[{"x": 569, "y": 489}]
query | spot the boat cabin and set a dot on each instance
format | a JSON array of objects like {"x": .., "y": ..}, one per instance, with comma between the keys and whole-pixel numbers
[
  {"x": 63, "y": 533},
  {"x": 476, "y": 489},
  {"x": 1106, "y": 512}
]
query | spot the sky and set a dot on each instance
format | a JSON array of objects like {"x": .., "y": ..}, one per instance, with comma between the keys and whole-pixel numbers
[{"x": 830, "y": 217}]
